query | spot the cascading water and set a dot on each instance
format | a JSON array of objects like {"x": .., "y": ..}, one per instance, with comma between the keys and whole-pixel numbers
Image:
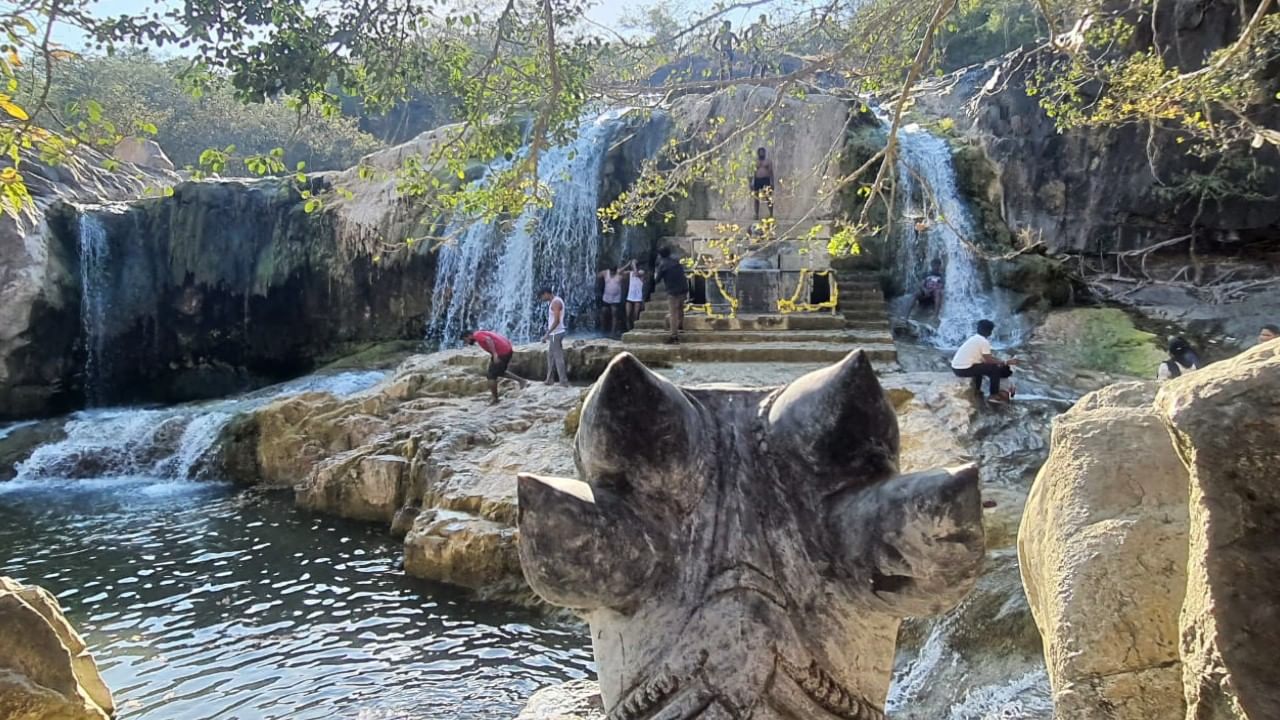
[
  {"x": 935, "y": 224},
  {"x": 95, "y": 256},
  {"x": 158, "y": 443},
  {"x": 487, "y": 276}
]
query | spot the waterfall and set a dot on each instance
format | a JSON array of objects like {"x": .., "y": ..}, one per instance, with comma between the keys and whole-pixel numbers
[
  {"x": 95, "y": 258},
  {"x": 166, "y": 443},
  {"x": 928, "y": 193},
  {"x": 488, "y": 273}
]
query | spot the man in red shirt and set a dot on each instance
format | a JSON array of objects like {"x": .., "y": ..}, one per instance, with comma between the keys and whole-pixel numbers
[{"x": 500, "y": 351}]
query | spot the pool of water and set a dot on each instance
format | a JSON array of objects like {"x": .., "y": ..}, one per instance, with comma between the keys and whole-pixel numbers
[{"x": 201, "y": 600}]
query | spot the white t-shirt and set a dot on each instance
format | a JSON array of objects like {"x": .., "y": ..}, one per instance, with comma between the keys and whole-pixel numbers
[
  {"x": 971, "y": 352},
  {"x": 556, "y": 302}
]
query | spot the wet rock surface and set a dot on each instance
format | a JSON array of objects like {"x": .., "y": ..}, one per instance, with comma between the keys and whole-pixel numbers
[
  {"x": 46, "y": 670},
  {"x": 576, "y": 700}
]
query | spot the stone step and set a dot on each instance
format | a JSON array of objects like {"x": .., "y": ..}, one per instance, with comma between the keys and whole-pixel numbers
[
  {"x": 786, "y": 227},
  {"x": 840, "y": 337},
  {"x": 770, "y": 323},
  {"x": 766, "y": 352}
]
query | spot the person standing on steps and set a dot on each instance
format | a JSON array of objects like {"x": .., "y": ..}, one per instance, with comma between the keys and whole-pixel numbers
[
  {"x": 671, "y": 272},
  {"x": 762, "y": 182},
  {"x": 611, "y": 317},
  {"x": 1182, "y": 359},
  {"x": 635, "y": 293},
  {"x": 555, "y": 335},
  {"x": 725, "y": 43},
  {"x": 975, "y": 360},
  {"x": 500, "y": 353}
]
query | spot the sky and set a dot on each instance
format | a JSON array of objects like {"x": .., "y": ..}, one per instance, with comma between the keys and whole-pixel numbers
[{"x": 608, "y": 13}]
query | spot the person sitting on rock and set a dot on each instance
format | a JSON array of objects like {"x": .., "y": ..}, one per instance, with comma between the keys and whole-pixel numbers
[
  {"x": 975, "y": 360},
  {"x": 1182, "y": 358},
  {"x": 1268, "y": 333},
  {"x": 500, "y": 353},
  {"x": 930, "y": 293}
]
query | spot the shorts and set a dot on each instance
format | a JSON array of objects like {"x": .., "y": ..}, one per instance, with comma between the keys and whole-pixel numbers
[
  {"x": 498, "y": 366},
  {"x": 760, "y": 183}
]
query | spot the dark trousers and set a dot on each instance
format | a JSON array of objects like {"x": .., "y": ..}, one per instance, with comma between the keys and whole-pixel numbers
[{"x": 992, "y": 371}]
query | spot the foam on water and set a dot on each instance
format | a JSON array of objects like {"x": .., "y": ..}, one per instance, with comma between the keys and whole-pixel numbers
[{"x": 158, "y": 443}]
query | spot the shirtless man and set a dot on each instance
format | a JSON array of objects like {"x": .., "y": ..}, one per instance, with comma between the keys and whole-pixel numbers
[{"x": 762, "y": 183}]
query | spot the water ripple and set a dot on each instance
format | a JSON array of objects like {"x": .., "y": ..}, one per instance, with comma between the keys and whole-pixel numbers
[{"x": 202, "y": 602}]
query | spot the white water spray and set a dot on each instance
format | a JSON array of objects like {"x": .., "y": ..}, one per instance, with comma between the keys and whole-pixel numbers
[
  {"x": 931, "y": 198},
  {"x": 170, "y": 443},
  {"x": 95, "y": 305},
  {"x": 487, "y": 277}
]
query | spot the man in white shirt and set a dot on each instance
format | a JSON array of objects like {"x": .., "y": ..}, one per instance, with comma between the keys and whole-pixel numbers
[
  {"x": 555, "y": 335},
  {"x": 975, "y": 360}
]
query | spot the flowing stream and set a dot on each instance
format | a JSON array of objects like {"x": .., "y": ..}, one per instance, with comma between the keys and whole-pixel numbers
[
  {"x": 488, "y": 274},
  {"x": 201, "y": 600},
  {"x": 935, "y": 223}
]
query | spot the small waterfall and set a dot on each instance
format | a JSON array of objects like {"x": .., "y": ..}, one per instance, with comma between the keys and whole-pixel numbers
[
  {"x": 928, "y": 194},
  {"x": 165, "y": 443},
  {"x": 487, "y": 276},
  {"x": 95, "y": 305}
]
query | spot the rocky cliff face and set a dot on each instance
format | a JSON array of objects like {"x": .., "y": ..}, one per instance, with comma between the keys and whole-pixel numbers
[
  {"x": 1095, "y": 190},
  {"x": 228, "y": 284},
  {"x": 45, "y": 669},
  {"x": 39, "y": 315}
]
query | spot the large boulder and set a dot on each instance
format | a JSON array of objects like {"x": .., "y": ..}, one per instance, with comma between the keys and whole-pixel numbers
[
  {"x": 574, "y": 700},
  {"x": 143, "y": 153},
  {"x": 1225, "y": 422},
  {"x": 465, "y": 550},
  {"x": 46, "y": 671},
  {"x": 1102, "y": 549}
]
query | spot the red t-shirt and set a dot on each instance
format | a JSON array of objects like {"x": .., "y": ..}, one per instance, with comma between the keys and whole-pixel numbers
[{"x": 493, "y": 343}]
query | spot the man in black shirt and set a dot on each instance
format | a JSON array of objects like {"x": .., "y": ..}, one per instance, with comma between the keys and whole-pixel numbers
[{"x": 671, "y": 272}]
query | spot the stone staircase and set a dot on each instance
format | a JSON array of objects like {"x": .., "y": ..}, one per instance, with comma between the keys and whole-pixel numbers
[{"x": 821, "y": 337}]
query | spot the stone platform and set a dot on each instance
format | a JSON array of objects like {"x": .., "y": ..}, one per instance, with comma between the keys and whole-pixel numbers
[{"x": 859, "y": 321}]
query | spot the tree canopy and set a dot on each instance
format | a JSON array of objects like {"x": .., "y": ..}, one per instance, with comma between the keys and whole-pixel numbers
[{"x": 527, "y": 70}]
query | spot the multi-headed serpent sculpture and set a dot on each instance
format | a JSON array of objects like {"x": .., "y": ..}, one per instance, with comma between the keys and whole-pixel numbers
[{"x": 747, "y": 553}]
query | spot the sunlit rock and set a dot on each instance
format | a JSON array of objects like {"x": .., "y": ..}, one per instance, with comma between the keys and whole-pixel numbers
[{"x": 46, "y": 670}]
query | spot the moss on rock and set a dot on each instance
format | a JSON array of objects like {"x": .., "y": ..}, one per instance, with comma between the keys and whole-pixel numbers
[{"x": 1101, "y": 339}]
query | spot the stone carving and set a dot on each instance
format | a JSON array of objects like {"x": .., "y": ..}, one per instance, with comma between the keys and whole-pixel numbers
[{"x": 747, "y": 553}]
